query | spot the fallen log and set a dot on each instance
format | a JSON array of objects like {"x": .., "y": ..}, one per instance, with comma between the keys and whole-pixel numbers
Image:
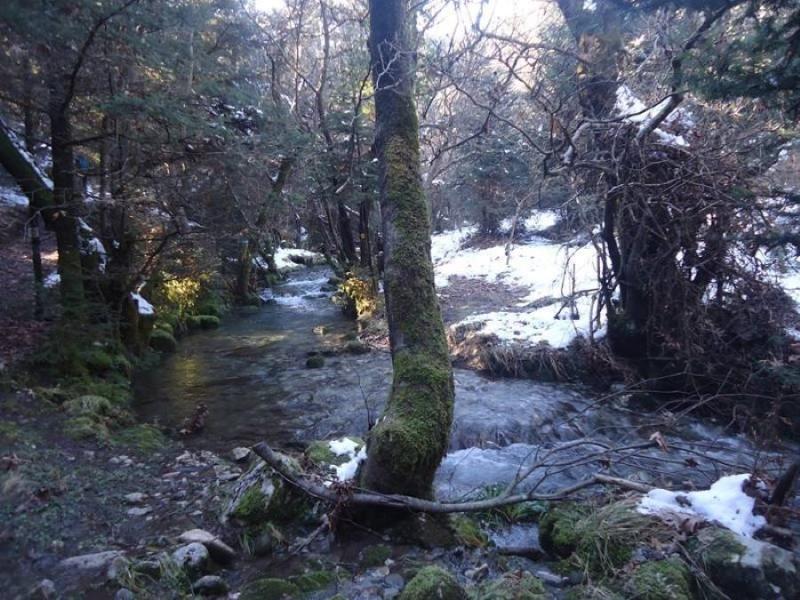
[{"x": 410, "y": 503}]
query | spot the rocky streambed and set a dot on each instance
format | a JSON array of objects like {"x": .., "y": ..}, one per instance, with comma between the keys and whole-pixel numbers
[{"x": 202, "y": 516}]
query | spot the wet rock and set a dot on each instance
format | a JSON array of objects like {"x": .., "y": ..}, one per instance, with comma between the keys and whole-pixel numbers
[
  {"x": 124, "y": 594},
  {"x": 135, "y": 498},
  {"x": 191, "y": 557},
  {"x": 356, "y": 347},
  {"x": 433, "y": 583},
  {"x": 219, "y": 550},
  {"x": 513, "y": 585},
  {"x": 395, "y": 580},
  {"x": 315, "y": 362},
  {"x": 240, "y": 454},
  {"x": 210, "y": 585},
  {"x": 268, "y": 588},
  {"x": 90, "y": 562},
  {"x": 745, "y": 568},
  {"x": 139, "y": 511}
]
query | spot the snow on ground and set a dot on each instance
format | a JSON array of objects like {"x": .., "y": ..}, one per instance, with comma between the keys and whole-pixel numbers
[
  {"x": 447, "y": 244},
  {"x": 289, "y": 259},
  {"x": 547, "y": 272},
  {"x": 540, "y": 325},
  {"x": 539, "y": 220},
  {"x": 724, "y": 503},
  {"x": 142, "y": 305},
  {"x": 52, "y": 280},
  {"x": 350, "y": 448},
  {"x": 12, "y": 196}
]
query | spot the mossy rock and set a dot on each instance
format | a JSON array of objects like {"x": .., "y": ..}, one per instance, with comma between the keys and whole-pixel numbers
[
  {"x": 261, "y": 496},
  {"x": 356, "y": 347},
  {"x": 144, "y": 437},
  {"x": 558, "y": 528},
  {"x": 668, "y": 579},
  {"x": 212, "y": 306},
  {"x": 321, "y": 455},
  {"x": 315, "y": 362},
  {"x": 270, "y": 588},
  {"x": 89, "y": 405},
  {"x": 468, "y": 532},
  {"x": 744, "y": 568},
  {"x": 195, "y": 322},
  {"x": 433, "y": 583},
  {"x": 375, "y": 556},
  {"x": 314, "y": 581},
  {"x": 163, "y": 341},
  {"x": 164, "y": 326},
  {"x": 512, "y": 586},
  {"x": 97, "y": 360},
  {"x": 592, "y": 592},
  {"x": 86, "y": 428},
  {"x": 10, "y": 433}
]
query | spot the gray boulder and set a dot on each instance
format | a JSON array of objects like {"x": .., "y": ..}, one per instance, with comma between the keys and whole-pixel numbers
[
  {"x": 219, "y": 550},
  {"x": 192, "y": 558},
  {"x": 210, "y": 585},
  {"x": 745, "y": 568}
]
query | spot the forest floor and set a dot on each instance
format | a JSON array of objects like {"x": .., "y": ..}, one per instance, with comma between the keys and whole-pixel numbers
[
  {"x": 131, "y": 494},
  {"x": 21, "y": 332}
]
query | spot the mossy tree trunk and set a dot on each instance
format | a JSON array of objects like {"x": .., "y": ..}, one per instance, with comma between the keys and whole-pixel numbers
[
  {"x": 55, "y": 202},
  {"x": 64, "y": 216},
  {"x": 408, "y": 443}
]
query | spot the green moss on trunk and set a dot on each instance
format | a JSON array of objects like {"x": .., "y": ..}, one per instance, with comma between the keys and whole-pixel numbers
[{"x": 407, "y": 445}]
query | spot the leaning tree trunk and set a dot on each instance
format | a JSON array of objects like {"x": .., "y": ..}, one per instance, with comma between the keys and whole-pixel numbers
[{"x": 408, "y": 443}]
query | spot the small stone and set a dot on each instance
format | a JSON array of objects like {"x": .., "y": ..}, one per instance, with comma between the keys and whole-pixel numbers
[
  {"x": 240, "y": 454},
  {"x": 135, "y": 498},
  {"x": 124, "y": 594},
  {"x": 90, "y": 562},
  {"x": 219, "y": 550},
  {"x": 210, "y": 585},
  {"x": 551, "y": 579},
  {"x": 191, "y": 557},
  {"x": 139, "y": 511}
]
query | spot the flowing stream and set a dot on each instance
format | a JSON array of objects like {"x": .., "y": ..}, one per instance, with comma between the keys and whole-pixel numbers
[{"x": 252, "y": 376}]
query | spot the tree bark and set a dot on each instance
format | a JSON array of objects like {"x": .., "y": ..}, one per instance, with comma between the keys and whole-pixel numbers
[
  {"x": 64, "y": 217},
  {"x": 406, "y": 446}
]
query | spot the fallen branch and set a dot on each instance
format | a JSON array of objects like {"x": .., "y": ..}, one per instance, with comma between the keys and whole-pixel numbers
[{"x": 398, "y": 501}]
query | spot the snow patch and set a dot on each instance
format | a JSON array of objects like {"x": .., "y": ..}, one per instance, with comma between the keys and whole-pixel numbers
[
  {"x": 52, "y": 280},
  {"x": 290, "y": 259},
  {"x": 12, "y": 197},
  {"x": 347, "y": 447},
  {"x": 142, "y": 305},
  {"x": 724, "y": 503},
  {"x": 538, "y": 326}
]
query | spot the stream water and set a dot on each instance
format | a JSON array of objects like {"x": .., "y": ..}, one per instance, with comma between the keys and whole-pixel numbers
[{"x": 252, "y": 376}]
